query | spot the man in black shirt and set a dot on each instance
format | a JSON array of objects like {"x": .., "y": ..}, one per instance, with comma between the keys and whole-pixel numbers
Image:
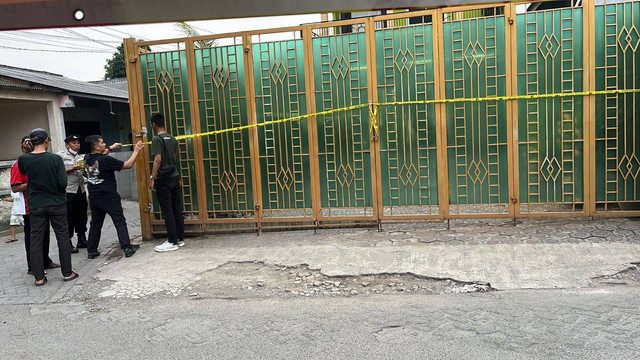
[
  {"x": 103, "y": 192},
  {"x": 47, "y": 203},
  {"x": 166, "y": 181}
]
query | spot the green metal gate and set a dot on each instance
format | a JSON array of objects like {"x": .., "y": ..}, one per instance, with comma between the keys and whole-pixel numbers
[{"x": 459, "y": 112}]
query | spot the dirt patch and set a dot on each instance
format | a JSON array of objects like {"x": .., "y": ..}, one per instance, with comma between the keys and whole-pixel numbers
[{"x": 256, "y": 279}]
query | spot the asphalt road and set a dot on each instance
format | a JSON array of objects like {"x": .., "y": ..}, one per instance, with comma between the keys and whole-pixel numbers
[{"x": 591, "y": 323}]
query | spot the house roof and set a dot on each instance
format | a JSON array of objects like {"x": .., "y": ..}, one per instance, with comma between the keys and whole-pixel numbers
[
  {"x": 41, "y": 80},
  {"x": 117, "y": 83}
]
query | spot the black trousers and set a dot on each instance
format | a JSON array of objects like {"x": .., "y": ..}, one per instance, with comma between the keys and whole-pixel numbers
[
  {"x": 45, "y": 244},
  {"x": 77, "y": 213},
  {"x": 100, "y": 207},
  {"x": 40, "y": 218},
  {"x": 170, "y": 199}
]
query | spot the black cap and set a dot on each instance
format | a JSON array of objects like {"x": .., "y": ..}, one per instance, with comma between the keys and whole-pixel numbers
[
  {"x": 38, "y": 135},
  {"x": 71, "y": 138}
]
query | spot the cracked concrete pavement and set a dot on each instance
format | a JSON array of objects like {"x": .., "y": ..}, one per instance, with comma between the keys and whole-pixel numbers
[
  {"x": 535, "y": 254},
  {"x": 355, "y": 293}
]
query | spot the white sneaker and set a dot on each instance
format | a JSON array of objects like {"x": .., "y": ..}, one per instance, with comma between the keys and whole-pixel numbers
[
  {"x": 181, "y": 243},
  {"x": 166, "y": 246}
]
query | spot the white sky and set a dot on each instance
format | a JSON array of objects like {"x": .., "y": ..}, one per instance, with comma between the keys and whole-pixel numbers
[{"x": 90, "y": 66}]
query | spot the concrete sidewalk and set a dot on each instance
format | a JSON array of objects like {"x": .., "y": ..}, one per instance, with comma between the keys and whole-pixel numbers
[{"x": 562, "y": 253}]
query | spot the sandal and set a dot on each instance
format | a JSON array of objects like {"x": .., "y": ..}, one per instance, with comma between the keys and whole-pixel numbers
[
  {"x": 41, "y": 282},
  {"x": 11, "y": 240},
  {"x": 70, "y": 277}
]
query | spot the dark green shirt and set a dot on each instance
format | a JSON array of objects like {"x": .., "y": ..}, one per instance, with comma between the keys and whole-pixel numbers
[
  {"x": 168, "y": 153},
  {"x": 47, "y": 179}
]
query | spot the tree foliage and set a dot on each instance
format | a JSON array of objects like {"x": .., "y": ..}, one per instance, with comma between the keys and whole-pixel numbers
[
  {"x": 191, "y": 32},
  {"x": 116, "y": 67}
]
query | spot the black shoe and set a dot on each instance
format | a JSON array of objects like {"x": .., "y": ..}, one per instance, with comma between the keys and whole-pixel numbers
[
  {"x": 82, "y": 241},
  {"x": 93, "y": 255},
  {"x": 74, "y": 250},
  {"x": 128, "y": 252}
]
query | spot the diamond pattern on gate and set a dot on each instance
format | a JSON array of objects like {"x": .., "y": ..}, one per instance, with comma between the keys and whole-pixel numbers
[
  {"x": 629, "y": 38},
  {"x": 629, "y": 166},
  {"x": 220, "y": 76},
  {"x": 408, "y": 175},
  {"x": 278, "y": 72},
  {"x": 228, "y": 181},
  {"x": 550, "y": 169},
  {"x": 164, "y": 82},
  {"x": 285, "y": 178},
  {"x": 477, "y": 171},
  {"x": 345, "y": 175},
  {"x": 339, "y": 67},
  {"x": 404, "y": 60},
  {"x": 473, "y": 54},
  {"x": 549, "y": 46}
]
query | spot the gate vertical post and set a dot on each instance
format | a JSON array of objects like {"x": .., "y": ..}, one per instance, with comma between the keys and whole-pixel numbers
[
  {"x": 589, "y": 120},
  {"x": 196, "y": 128},
  {"x": 254, "y": 149},
  {"x": 441, "y": 114},
  {"x": 134, "y": 79},
  {"x": 312, "y": 127},
  {"x": 512, "y": 108},
  {"x": 374, "y": 138}
]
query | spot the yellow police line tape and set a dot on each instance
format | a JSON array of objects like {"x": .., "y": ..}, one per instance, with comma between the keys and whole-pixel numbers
[{"x": 373, "y": 109}]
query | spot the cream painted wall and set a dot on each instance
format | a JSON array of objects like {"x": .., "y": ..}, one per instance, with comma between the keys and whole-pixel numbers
[
  {"x": 21, "y": 111},
  {"x": 16, "y": 120}
]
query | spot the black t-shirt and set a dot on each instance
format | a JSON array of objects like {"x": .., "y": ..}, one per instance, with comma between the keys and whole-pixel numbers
[
  {"x": 101, "y": 175},
  {"x": 47, "y": 184}
]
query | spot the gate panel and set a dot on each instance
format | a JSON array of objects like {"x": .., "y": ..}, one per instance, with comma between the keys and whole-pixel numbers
[
  {"x": 222, "y": 103},
  {"x": 550, "y": 131},
  {"x": 617, "y": 134},
  {"x": 165, "y": 90},
  {"x": 477, "y": 143},
  {"x": 405, "y": 72},
  {"x": 279, "y": 77},
  {"x": 344, "y": 148}
]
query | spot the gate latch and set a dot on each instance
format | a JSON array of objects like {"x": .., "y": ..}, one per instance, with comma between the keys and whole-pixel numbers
[
  {"x": 143, "y": 133},
  {"x": 514, "y": 199}
]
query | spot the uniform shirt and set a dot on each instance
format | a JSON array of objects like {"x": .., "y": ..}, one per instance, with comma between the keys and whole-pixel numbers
[
  {"x": 18, "y": 178},
  {"x": 47, "y": 183},
  {"x": 101, "y": 176},
  {"x": 75, "y": 178},
  {"x": 168, "y": 151}
]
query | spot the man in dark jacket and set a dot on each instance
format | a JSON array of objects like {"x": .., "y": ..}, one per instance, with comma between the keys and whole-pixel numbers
[{"x": 47, "y": 203}]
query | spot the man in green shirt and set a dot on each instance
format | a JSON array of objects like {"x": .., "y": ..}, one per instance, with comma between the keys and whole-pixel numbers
[
  {"x": 47, "y": 203},
  {"x": 165, "y": 180}
]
